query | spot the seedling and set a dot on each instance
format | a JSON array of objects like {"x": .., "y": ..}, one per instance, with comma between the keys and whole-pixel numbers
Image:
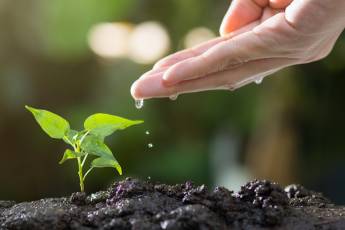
[{"x": 89, "y": 141}]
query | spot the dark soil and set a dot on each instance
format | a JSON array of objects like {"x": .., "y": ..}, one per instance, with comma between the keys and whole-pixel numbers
[{"x": 134, "y": 204}]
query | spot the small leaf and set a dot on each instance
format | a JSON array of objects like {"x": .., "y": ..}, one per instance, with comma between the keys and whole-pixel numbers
[
  {"x": 94, "y": 145},
  {"x": 54, "y": 125},
  {"x": 103, "y": 131},
  {"x": 103, "y": 125},
  {"x": 69, "y": 154},
  {"x": 105, "y": 163},
  {"x": 71, "y": 135}
]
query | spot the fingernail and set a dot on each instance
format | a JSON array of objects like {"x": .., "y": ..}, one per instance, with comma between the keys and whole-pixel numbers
[
  {"x": 134, "y": 90},
  {"x": 165, "y": 77},
  {"x": 167, "y": 81},
  {"x": 155, "y": 66}
]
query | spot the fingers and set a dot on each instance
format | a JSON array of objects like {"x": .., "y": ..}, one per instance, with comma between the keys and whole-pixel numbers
[
  {"x": 153, "y": 86},
  {"x": 149, "y": 86},
  {"x": 233, "y": 79},
  {"x": 268, "y": 13},
  {"x": 198, "y": 50},
  {"x": 241, "y": 13},
  {"x": 188, "y": 53},
  {"x": 223, "y": 56}
]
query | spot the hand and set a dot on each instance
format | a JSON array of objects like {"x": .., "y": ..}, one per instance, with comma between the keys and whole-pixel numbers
[{"x": 259, "y": 37}]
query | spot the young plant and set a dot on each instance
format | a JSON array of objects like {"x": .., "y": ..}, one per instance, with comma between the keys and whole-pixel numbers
[{"x": 89, "y": 141}]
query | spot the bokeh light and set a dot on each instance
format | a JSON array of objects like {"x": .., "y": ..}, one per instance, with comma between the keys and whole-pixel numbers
[
  {"x": 110, "y": 40},
  {"x": 149, "y": 42},
  {"x": 198, "y": 35}
]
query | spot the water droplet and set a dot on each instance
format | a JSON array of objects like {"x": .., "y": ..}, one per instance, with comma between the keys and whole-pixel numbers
[
  {"x": 149, "y": 178},
  {"x": 147, "y": 132},
  {"x": 165, "y": 224},
  {"x": 139, "y": 103},
  {"x": 258, "y": 80},
  {"x": 173, "y": 97},
  {"x": 150, "y": 145}
]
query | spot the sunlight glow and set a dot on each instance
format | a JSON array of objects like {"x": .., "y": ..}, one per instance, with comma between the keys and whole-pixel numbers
[{"x": 197, "y": 36}]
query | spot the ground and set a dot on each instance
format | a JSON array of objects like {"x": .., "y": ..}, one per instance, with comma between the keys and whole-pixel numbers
[{"x": 140, "y": 205}]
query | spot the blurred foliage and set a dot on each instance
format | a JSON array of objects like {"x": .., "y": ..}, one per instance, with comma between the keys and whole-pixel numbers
[
  {"x": 64, "y": 24},
  {"x": 45, "y": 62}
]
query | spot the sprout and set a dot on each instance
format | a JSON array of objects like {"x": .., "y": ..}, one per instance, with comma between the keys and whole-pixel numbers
[{"x": 89, "y": 141}]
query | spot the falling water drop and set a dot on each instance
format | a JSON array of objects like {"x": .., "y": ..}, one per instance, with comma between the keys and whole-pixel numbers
[
  {"x": 173, "y": 97},
  {"x": 150, "y": 145},
  {"x": 147, "y": 132},
  {"x": 258, "y": 80},
  {"x": 139, "y": 103},
  {"x": 149, "y": 178}
]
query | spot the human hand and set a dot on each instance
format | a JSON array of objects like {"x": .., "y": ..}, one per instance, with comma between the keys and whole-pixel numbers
[{"x": 259, "y": 37}]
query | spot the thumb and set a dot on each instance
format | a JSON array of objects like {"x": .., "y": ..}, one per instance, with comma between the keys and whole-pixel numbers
[
  {"x": 241, "y": 13},
  {"x": 244, "y": 12}
]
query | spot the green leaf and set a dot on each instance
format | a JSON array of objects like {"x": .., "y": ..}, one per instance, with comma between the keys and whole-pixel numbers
[
  {"x": 69, "y": 154},
  {"x": 95, "y": 146},
  {"x": 54, "y": 125},
  {"x": 105, "y": 163},
  {"x": 103, "y": 125}
]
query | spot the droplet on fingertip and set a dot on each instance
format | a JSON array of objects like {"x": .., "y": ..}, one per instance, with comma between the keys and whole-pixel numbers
[
  {"x": 139, "y": 103},
  {"x": 258, "y": 80},
  {"x": 173, "y": 97}
]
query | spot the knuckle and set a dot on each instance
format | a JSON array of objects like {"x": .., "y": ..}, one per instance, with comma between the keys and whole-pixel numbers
[
  {"x": 202, "y": 68},
  {"x": 193, "y": 51},
  {"x": 209, "y": 65},
  {"x": 232, "y": 64}
]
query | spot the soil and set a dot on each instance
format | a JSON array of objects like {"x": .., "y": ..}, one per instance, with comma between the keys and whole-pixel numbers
[{"x": 140, "y": 205}]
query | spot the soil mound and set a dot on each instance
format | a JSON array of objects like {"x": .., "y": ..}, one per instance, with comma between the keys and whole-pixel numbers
[{"x": 139, "y": 205}]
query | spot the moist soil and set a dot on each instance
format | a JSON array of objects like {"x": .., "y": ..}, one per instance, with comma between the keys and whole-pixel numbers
[{"x": 140, "y": 205}]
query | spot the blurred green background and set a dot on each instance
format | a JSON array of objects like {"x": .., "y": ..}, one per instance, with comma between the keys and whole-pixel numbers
[{"x": 80, "y": 57}]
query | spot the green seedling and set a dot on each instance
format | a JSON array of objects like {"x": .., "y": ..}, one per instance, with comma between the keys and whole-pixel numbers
[{"x": 89, "y": 141}]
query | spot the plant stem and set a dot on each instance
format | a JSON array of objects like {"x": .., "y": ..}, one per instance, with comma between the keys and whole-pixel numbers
[
  {"x": 87, "y": 173},
  {"x": 80, "y": 168},
  {"x": 84, "y": 160},
  {"x": 80, "y": 173}
]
